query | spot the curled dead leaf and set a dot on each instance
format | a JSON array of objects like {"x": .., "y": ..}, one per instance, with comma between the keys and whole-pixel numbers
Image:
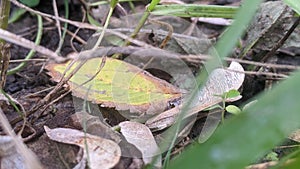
[{"x": 140, "y": 136}]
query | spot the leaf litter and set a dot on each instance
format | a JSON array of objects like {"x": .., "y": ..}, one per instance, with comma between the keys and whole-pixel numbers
[{"x": 201, "y": 96}]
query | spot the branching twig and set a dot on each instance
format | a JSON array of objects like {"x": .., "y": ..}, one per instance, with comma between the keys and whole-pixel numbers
[{"x": 10, "y": 37}]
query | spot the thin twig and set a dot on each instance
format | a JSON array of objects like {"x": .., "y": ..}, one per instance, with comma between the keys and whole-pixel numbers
[
  {"x": 30, "y": 159},
  {"x": 10, "y": 37},
  {"x": 54, "y": 5},
  {"x": 77, "y": 30},
  {"x": 32, "y": 52},
  {"x": 28, "y": 60}
]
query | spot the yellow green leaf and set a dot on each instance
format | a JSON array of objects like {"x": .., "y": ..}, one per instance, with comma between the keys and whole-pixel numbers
[{"x": 120, "y": 85}]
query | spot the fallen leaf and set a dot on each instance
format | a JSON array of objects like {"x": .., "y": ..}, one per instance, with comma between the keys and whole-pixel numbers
[
  {"x": 219, "y": 82},
  {"x": 101, "y": 153},
  {"x": 120, "y": 85},
  {"x": 95, "y": 126},
  {"x": 140, "y": 136}
]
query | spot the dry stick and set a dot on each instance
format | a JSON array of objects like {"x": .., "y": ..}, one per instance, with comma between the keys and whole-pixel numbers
[
  {"x": 4, "y": 47},
  {"x": 260, "y": 73},
  {"x": 54, "y": 5},
  {"x": 89, "y": 26},
  {"x": 31, "y": 29},
  {"x": 38, "y": 92},
  {"x": 77, "y": 24},
  {"x": 61, "y": 156},
  {"x": 191, "y": 28},
  {"x": 5, "y": 53},
  {"x": 190, "y": 58},
  {"x": 84, "y": 25},
  {"x": 88, "y": 54},
  {"x": 10, "y": 37},
  {"x": 196, "y": 58},
  {"x": 63, "y": 80},
  {"x": 73, "y": 35},
  {"x": 103, "y": 61},
  {"x": 30, "y": 159},
  {"x": 59, "y": 86},
  {"x": 28, "y": 60},
  {"x": 53, "y": 94},
  {"x": 170, "y": 31},
  {"x": 166, "y": 39},
  {"x": 77, "y": 30}
]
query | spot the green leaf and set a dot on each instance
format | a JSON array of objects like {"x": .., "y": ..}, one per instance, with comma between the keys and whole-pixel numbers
[
  {"x": 244, "y": 138},
  {"x": 294, "y": 4},
  {"x": 16, "y": 15},
  {"x": 195, "y": 10},
  {"x": 246, "y": 106},
  {"x": 30, "y": 3},
  {"x": 93, "y": 21},
  {"x": 233, "y": 109},
  {"x": 272, "y": 156},
  {"x": 152, "y": 5},
  {"x": 232, "y": 94},
  {"x": 113, "y": 3},
  {"x": 293, "y": 163}
]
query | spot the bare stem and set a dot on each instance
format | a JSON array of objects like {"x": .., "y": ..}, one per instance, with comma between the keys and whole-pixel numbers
[{"x": 4, "y": 53}]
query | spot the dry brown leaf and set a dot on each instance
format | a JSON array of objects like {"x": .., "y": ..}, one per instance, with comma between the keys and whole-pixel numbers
[
  {"x": 219, "y": 82},
  {"x": 95, "y": 126},
  {"x": 101, "y": 153},
  {"x": 140, "y": 136}
]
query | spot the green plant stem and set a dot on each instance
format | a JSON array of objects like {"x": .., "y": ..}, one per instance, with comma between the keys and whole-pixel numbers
[
  {"x": 196, "y": 10},
  {"x": 223, "y": 48},
  {"x": 4, "y": 51},
  {"x": 4, "y": 14},
  {"x": 112, "y": 7},
  {"x": 11, "y": 102},
  {"x": 131, "y": 5},
  {"x": 140, "y": 24},
  {"x": 32, "y": 52},
  {"x": 61, "y": 41},
  {"x": 143, "y": 19}
]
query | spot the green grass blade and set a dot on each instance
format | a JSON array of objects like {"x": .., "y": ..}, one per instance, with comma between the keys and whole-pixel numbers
[
  {"x": 223, "y": 48},
  {"x": 32, "y": 51},
  {"x": 195, "y": 10},
  {"x": 16, "y": 14},
  {"x": 243, "y": 139},
  {"x": 243, "y": 17}
]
